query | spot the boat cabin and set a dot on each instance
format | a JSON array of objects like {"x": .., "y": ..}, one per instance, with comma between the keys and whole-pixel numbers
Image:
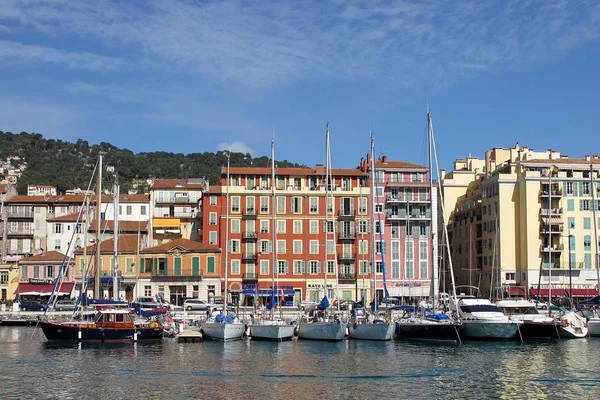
[{"x": 114, "y": 319}]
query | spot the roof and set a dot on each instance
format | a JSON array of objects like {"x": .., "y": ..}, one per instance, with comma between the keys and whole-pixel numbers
[
  {"x": 127, "y": 198},
  {"x": 294, "y": 171},
  {"x": 124, "y": 226},
  {"x": 48, "y": 256},
  {"x": 66, "y": 218},
  {"x": 581, "y": 161},
  {"x": 126, "y": 244},
  {"x": 45, "y": 199},
  {"x": 397, "y": 164},
  {"x": 213, "y": 189},
  {"x": 183, "y": 244},
  {"x": 177, "y": 184}
]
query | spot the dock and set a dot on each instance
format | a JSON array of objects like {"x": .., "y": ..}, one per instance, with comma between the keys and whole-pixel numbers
[{"x": 189, "y": 335}]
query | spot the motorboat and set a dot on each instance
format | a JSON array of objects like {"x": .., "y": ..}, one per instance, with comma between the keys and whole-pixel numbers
[
  {"x": 483, "y": 320},
  {"x": 533, "y": 324},
  {"x": 572, "y": 325}
]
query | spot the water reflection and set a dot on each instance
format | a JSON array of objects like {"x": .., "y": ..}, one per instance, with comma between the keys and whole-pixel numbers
[{"x": 32, "y": 367}]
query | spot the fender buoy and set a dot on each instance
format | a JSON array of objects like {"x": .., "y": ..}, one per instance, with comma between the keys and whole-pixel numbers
[
  {"x": 154, "y": 324},
  {"x": 565, "y": 323}
]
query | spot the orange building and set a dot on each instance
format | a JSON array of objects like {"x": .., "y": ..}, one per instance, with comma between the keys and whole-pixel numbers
[{"x": 310, "y": 252}]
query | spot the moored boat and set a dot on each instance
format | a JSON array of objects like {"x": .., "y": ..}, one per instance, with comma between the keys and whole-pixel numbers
[
  {"x": 572, "y": 326},
  {"x": 483, "y": 320},
  {"x": 362, "y": 328},
  {"x": 220, "y": 326},
  {"x": 533, "y": 324},
  {"x": 272, "y": 330}
]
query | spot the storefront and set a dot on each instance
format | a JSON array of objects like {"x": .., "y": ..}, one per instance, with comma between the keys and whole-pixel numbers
[
  {"x": 257, "y": 294},
  {"x": 35, "y": 289}
]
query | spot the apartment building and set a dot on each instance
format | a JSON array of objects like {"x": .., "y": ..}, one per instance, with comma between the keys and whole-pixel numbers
[
  {"x": 176, "y": 206},
  {"x": 38, "y": 273},
  {"x": 309, "y": 248},
  {"x": 41, "y": 190},
  {"x": 522, "y": 218},
  {"x": 405, "y": 215}
]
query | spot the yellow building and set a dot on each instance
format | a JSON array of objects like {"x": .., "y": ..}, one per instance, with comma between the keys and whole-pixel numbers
[
  {"x": 518, "y": 213},
  {"x": 9, "y": 281}
]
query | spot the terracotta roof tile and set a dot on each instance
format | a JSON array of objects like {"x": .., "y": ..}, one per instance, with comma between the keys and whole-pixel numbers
[
  {"x": 397, "y": 164},
  {"x": 44, "y": 199},
  {"x": 214, "y": 189},
  {"x": 126, "y": 244},
  {"x": 292, "y": 171},
  {"x": 124, "y": 226},
  {"x": 66, "y": 218},
  {"x": 47, "y": 256},
  {"x": 127, "y": 198},
  {"x": 185, "y": 244},
  {"x": 176, "y": 183}
]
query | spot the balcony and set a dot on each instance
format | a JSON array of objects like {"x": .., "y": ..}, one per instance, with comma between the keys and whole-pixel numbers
[
  {"x": 249, "y": 256},
  {"x": 250, "y": 235},
  {"x": 390, "y": 198},
  {"x": 545, "y": 212},
  {"x": 347, "y": 256},
  {"x": 396, "y": 215},
  {"x": 346, "y": 278},
  {"x": 249, "y": 213},
  {"x": 347, "y": 236},
  {"x": 250, "y": 276},
  {"x": 554, "y": 192},
  {"x": 20, "y": 214},
  {"x": 552, "y": 229},
  {"x": 346, "y": 213},
  {"x": 160, "y": 272},
  {"x": 553, "y": 248},
  {"x": 21, "y": 232}
]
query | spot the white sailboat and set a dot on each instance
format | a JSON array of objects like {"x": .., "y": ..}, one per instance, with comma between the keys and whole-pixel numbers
[
  {"x": 274, "y": 329},
  {"x": 223, "y": 324},
  {"x": 324, "y": 326},
  {"x": 364, "y": 327},
  {"x": 430, "y": 327}
]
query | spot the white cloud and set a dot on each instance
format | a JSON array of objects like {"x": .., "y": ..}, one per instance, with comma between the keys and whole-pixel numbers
[
  {"x": 31, "y": 53},
  {"x": 428, "y": 43},
  {"x": 236, "y": 147}
]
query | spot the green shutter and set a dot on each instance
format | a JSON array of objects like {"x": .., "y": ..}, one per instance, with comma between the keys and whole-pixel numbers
[
  {"x": 211, "y": 265},
  {"x": 575, "y": 187},
  {"x": 195, "y": 266},
  {"x": 580, "y": 205},
  {"x": 142, "y": 265},
  {"x": 570, "y": 205},
  {"x": 166, "y": 260},
  {"x": 177, "y": 268}
]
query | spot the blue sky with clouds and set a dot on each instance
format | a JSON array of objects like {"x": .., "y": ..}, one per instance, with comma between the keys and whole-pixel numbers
[{"x": 195, "y": 76}]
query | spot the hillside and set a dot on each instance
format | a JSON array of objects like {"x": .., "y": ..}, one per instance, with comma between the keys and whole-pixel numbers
[{"x": 68, "y": 165}]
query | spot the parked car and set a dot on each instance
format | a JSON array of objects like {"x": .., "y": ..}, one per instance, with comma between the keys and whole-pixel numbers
[
  {"x": 195, "y": 304},
  {"x": 65, "y": 305},
  {"x": 31, "y": 305}
]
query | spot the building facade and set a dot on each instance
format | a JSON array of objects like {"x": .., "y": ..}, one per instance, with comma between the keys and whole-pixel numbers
[
  {"x": 525, "y": 218},
  {"x": 38, "y": 274}
]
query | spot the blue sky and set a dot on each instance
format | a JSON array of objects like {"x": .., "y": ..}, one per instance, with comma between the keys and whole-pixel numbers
[{"x": 195, "y": 76}]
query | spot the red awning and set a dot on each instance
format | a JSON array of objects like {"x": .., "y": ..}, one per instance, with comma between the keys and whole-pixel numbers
[
  {"x": 30, "y": 289},
  {"x": 514, "y": 290},
  {"x": 560, "y": 292}
]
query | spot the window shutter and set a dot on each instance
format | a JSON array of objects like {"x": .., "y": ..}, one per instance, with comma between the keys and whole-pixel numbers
[
  {"x": 384, "y": 247},
  {"x": 318, "y": 267},
  {"x": 575, "y": 186},
  {"x": 142, "y": 265},
  {"x": 211, "y": 264},
  {"x": 286, "y": 267},
  {"x": 302, "y": 268},
  {"x": 580, "y": 205},
  {"x": 195, "y": 266}
]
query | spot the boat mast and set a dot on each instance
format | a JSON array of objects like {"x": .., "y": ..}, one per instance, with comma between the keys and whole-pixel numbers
[
  {"x": 594, "y": 209},
  {"x": 335, "y": 259},
  {"x": 433, "y": 238},
  {"x": 116, "y": 244},
  {"x": 98, "y": 227},
  {"x": 84, "y": 269},
  {"x": 273, "y": 229},
  {"x": 372, "y": 223},
  {"x": 550, "y": 240},
  {"x": 225, "y": 301}
]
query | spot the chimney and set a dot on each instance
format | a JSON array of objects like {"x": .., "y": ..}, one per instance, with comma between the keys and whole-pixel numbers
[
  {"x": 320, "y": 168},
  {"x": 384, "y": 159},
  {"x": 587, "y": 157}
]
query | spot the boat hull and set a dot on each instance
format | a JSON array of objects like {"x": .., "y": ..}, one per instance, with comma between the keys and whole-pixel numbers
[
  {"x": 223, "y": 331},
  {"x": 488, "y": 330},
  {"x": 538, "y": 330},
  {"x": 65, "y": 332},
  {"x": 322, "y": 331},
  {"x": 427, "y": 331},
  {"x": 594, "y": 327},
  {"x": 383, "y": 331},
  {"x": 272, "y": 332}
]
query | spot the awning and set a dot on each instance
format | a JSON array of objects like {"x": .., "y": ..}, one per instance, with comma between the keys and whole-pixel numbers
[
  {"x": 552, "y": 220},
  {"x": 561, "y": 292},
  {"x": 514, "y": 290},
  {"x": 30, "y": 289}
]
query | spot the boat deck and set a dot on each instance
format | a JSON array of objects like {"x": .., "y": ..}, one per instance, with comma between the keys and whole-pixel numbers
[{"x": 190, "y": 335}]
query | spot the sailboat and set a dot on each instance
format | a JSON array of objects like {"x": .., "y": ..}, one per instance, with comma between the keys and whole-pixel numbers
[
  {"x": 324, "y": 326},
  {"x": 363, "y": 327},
  {"x": 434, "y": 326},
  {"x": 223, "y": 323},
  {"x": 275, "y": 329}
]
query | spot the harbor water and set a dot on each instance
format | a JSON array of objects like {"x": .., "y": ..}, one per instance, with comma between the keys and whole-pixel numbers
[{"x": 31, "y": 367}]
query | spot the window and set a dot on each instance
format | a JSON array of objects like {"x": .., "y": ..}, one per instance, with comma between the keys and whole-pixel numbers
[
  {"x": 362, "y": 205},
  {"x": 58, "y": 228},
  {"x": 212, "y": 218},
  {"x": 177, "y": 266},
  {"x": 314, "y": 247},
  {"x": 409, "y": 267},
  {"x": 380, "y": 176},
  {"x": 423, "y": 258},
  {"x": 281, "y": 247},
  {"x": 395, "y": 269},
  {"x": 235, "y": 267},
  {"x": 570, "y": 205},
  {"x": 395, "y": 250},
  {"x": 363, "y": 247},
  {"x": 379, "y": 208},
  {"x": 379, "y": 192},
  {"x": 264, "y": 205},
  {"x": 212, "y": 237},
  {"x": 587, "y": 243},
  {"x": 36, "y": 271},
  {"x": 329, "y": 202},
  {"x": 147, "y": 290},
  {"x": 328, "y": 226},
  {"x": 587, "y": 260},
  {"x": 297, "y": 226},
  {"x": 297, "y": 246},
  {"x": 587, "y": 223},
  {"x": 330, "y": 267},
  {"x": 78, "y": 228},
  {"x": 235, "y": 204},
  {"x": 314, "y": 267},
  {"x": 395, "y": 230},
  {"x": 569, "y": 188},
  {"x": 250, "y": 205},
  {"x": 364, "y": 267},
  {"x": 281, "y": 205},
  {"x": 129, "y": 210},
  {"x": 282, "y": 267},
  {"x": 280, "y": 226},
  {"x": 234, "y": 246},
  {"x": 195, "y": 266},
  {"x": 49, "y": 271},
  {"x": 379, "y": 246},
  {"x": 571, "y": 223},
  {"x": 417, "y": 177},
  {"x": 314, "y": 226},
  {"x": 235, "y": 226},
  {"x": 379, "y": 267},
  {"x": 585, "y": 189},
  {"x": 3, "y": 278},
  {"x": 213, "y": 200},
  {"x": 330, "y": 247},
  {"x": 296, "y": 205},
  {"x": 210, "y": 264},
  {"x": 585, "y": 205},
  {"x": 378, "y": 227},
  {"x": 129, "y": 264},
  {"x": 57, "y": 244},
  {"x": 264, "y": 267},
  {"x": 265, "y": 246},
  {"x": 298, "y": 267},
  {"x": 314, "y": 205},
  {"x": 120, "y": 210}
]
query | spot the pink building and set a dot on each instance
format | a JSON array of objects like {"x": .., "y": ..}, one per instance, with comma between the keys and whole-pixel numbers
[
  {"x": 405, "y": 216},
  {"x": 38, "y": 273}
]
